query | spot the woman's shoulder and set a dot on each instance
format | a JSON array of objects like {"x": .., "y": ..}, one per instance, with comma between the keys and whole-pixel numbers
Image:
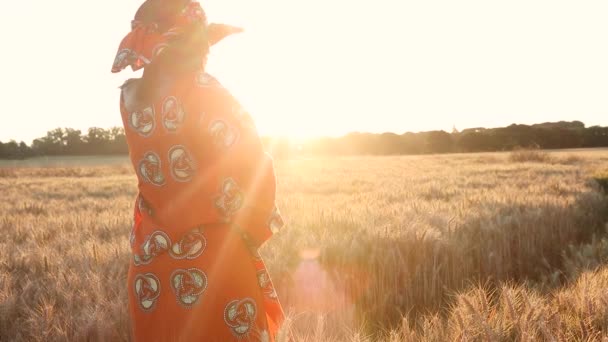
[
  {"x": 212, "y": 89},
  {"x": 129, "y": 94}
]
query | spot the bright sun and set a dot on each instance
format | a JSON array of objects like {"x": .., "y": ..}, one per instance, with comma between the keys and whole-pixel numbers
[{"x": 289, "y": 89}]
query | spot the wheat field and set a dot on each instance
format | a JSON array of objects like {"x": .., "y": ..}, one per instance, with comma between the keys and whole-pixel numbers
[{"x": 467, "y": 247}]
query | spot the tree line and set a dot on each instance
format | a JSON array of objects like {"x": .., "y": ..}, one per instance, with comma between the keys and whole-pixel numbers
[
  {"x": 556, "y": 135},
  {"x": 69, "y": 142},
  {"x": 553, "y": 135}
]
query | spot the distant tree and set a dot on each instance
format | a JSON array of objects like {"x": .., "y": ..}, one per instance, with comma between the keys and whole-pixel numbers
[
  {"x": 74, "y": 143},
  {"x": 118, "y": 141},
  {"x": 358, "y": 143},
  {"x": 3, "y": 151},
  {"x": 24, "y": 150},
  {"x": 477, "y": 141},
  {"x": 515, "y": 136},
  {"x": 97, "y": 140},
  {"x": 573, "y": 125},
  {"x": 390, "y": 143},
  {"x": 413, "y": 143},
  {"x": 595, "y": 136},
  {"x": 53, "y": 143},
  {"x": 439, "y": 142},
  {"x": 14, "y": 150}
]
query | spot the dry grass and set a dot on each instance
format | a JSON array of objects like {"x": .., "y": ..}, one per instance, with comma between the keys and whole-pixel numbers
[
  {"x": 547, "y": 157},
  {"x": 602, "y": 179},
  {"x": 531, "y": 155},
  {"x": 515, "y": 312},
  {"x": 577, "y": 312},
  {"x": 380, "y": 238}
]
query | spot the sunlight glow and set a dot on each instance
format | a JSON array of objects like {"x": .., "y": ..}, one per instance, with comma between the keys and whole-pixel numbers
[{"x": 319, "y": 68}]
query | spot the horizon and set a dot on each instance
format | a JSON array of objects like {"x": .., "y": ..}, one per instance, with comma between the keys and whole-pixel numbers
[
  {"x": 412, "y": 67},
  {"x": 312, "y": 138}
]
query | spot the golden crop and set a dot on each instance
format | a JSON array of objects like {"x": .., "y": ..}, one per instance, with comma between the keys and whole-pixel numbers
[{"x": 468, "y": 247}]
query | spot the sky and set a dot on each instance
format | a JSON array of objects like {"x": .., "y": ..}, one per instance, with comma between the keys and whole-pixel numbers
[{"x": 326, "y": 67}]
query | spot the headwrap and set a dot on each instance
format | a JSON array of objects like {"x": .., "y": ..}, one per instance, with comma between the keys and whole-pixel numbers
[
  {"x": 147, "y": 39},
  {"x": 157, "y": 24}
]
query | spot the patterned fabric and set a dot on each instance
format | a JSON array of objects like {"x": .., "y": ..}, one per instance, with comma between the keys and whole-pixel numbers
[
  {"x": 207, "y": 286},
  {"x": 206, "y": 203}
]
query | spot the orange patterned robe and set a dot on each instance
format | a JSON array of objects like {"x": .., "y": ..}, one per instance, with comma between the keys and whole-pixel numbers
[{"x": 206, "y": 203}]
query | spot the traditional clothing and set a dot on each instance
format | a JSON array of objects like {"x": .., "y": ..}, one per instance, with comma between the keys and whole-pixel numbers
[{"x": 206, "y": 197}]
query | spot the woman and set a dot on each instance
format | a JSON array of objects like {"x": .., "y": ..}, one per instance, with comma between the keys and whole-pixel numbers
[{"x": 206, "y": 189}]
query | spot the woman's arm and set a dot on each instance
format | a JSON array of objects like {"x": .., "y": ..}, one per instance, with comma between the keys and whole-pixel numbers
[{"x": 247, "y": 182}]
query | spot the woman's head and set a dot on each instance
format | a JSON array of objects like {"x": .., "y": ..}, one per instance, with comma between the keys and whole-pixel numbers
[{"x": 169, "y": 30}]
